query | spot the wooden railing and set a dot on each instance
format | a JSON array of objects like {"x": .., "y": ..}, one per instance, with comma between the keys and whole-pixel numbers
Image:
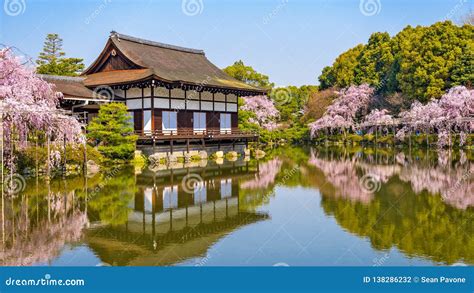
[{"x": 190, "y": 134}]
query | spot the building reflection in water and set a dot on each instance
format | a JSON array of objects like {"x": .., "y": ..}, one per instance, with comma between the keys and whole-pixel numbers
[{"x": 171, "y": 222}]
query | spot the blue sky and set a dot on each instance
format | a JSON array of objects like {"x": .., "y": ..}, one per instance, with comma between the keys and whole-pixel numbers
[{"x": 289, "y": 40}]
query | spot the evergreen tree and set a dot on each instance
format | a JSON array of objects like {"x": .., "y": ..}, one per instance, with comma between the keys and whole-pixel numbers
[
  {"x": 463, "y": 69},
  {"x": 52, "y": 60},
  {"x": 112, "y": 132}
]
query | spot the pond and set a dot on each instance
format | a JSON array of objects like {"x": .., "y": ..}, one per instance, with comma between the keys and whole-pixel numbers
[{"x": 297, "y": 207}]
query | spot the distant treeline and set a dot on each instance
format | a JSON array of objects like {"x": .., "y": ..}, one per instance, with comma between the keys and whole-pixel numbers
[{"x": 419, "y": 62}]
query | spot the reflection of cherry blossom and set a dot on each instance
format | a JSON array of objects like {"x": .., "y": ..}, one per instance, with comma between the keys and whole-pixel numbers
[
  {"x": 342, "y": 175},
  {"x": 266, "y": 175},
  {"x": 42, "y": 242},
  {"x": 455, "y": 185}
]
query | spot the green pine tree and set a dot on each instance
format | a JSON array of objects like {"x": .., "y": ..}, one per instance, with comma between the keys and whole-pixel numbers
[
  {"x": 112, "y": 132},
  {"x": 52, "y": 60}
]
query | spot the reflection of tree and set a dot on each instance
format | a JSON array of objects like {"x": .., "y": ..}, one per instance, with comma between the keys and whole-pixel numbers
[
  {"x": 258, "y": 190},
  {"x": 454, "y": 184},
  {"x": 48, "y": 215},
  {"x": 408, "y": 211},
  {"x": 343, "y": 176},
  {"x": 112, "y": 199},
  {"x": 266, "y": 176},
  {"x": 32, "y": 238},
  {"x": 417, "y": 225}
]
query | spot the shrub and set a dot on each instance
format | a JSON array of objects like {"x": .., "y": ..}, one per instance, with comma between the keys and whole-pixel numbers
[{"x": 111, "y": 132}]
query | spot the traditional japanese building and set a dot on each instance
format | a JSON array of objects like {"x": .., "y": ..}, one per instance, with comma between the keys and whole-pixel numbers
[{"x": 172, "y": 93}]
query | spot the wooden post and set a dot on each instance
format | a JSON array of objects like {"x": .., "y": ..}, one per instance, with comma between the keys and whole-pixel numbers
[
  {"x": 171, "y": 146},
  {"x": 187, "y": 145}
]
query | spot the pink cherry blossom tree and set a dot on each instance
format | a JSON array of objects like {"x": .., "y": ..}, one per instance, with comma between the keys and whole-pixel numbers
[
  {"x": 30, "y": 104},
  {"x": 377, "y": 116},
  {"x": 264, "y": 112},
  {"x": 452, "y": 112},
  {"x": 343, "y": 112}
]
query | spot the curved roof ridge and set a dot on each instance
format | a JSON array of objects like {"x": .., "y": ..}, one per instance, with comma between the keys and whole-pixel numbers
[
  {"x": 114, "y": 34},
  {"x": 61, "y": 77}
]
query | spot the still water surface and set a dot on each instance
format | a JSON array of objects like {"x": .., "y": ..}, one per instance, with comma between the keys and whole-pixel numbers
[{"x": 298, "y": 207}]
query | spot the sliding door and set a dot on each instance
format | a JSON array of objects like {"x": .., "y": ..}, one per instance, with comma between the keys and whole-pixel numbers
[
  {"x": 225, "y": 123},
  {"x": 199, "y": 122},
  {"x": 170, "y": 122}
]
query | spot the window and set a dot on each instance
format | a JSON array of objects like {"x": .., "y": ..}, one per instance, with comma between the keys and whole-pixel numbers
[
  {"x": 147, "y": 122},
  {"x": 169, "y": 124},
  {"x": 199, "y": 122},
  {"x": 225, "y": 123}
]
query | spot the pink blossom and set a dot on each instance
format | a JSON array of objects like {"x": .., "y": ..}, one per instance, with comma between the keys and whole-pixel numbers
[
  {"x": 342, "y": 113},
  {"x": 453, "y": 111},
  {"x": 377, "y": 116},
  {"x": 30, "y": 104},
  {"x": 265, "y": 111}
]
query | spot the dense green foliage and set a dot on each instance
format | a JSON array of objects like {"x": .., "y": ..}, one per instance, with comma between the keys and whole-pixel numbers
[
  {"x": 291, "y": 100},
  {"x": 247, "y": 74},
  {"x": 52, "y": 60},
  {"x": 420, "y": 62},
  {"x": 112, "y": 132}
]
